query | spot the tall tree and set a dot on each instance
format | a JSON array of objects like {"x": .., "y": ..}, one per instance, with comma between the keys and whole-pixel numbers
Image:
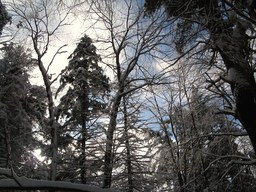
[
  {"x": 85, "y": 98},
  {"x": 19, "y": 111},
  {"x": 226, "y": 26},
  {"x": 127, "y": 39},
  {"x": 40, "y": 21}
]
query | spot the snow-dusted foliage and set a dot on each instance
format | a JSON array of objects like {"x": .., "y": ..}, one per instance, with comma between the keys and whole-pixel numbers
[{"x": 19, "y": 108}]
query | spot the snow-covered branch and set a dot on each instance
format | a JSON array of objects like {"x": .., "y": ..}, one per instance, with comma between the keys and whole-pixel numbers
[{"x": 25, "y": 183}]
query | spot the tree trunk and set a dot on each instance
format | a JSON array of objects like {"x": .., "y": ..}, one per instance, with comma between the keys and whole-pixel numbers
[
  {"x": 52, "y": 123},
  {"x": 241, "y": 78},
  {"x": 108, "y": 163},
  {"x": 5, "y": 160},
  {"x": 128, "y": 150},
  {"x": 233, "y": 46},
  {"x": 83, "y": 154},
  {"x": 234, "y": 49},
  {"x": 84, "y": 115}
]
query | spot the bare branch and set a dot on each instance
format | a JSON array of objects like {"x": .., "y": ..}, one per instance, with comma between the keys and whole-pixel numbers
[{"x": 53, "y": 58}]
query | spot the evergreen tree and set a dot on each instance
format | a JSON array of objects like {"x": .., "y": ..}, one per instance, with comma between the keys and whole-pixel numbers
[
  {"x": 87, "y": 87},
  {"x": 20, "y": 108}
]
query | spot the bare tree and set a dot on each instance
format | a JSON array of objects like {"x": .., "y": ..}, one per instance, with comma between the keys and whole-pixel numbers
[
  {"x": 127, "y": 41},
  {"x": 194, "y": 136},
  {"x": 41, "y": 21}
]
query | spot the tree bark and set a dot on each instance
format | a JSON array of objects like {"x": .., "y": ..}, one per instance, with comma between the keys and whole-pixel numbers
[{"x": 108, "y": 163}]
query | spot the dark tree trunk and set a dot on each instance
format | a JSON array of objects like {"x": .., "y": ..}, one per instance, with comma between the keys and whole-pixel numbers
[
  {"x": 83, "y": 150},
  {"x": 84, "y": 99},
  {"x": 246, "y": 110},
  {"x": 243, "y": 86}
]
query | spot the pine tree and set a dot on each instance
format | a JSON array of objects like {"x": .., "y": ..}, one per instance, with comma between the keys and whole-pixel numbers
[{"x": 87, "y": 87}]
